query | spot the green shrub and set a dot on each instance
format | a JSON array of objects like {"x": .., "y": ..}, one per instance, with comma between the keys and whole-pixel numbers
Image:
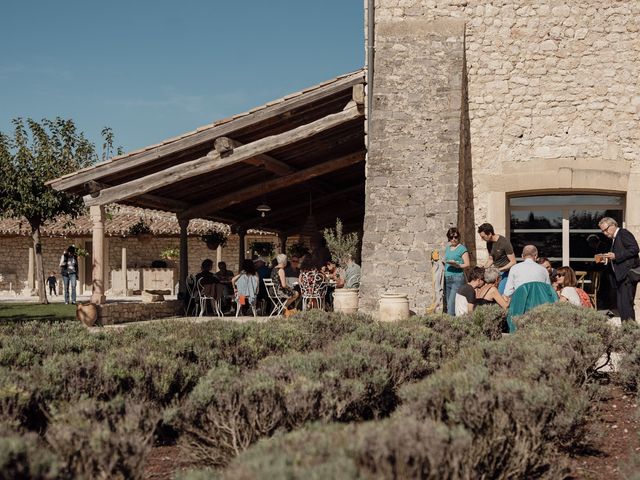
[
  {"x": 24, "y": 456},
  {"x": 22, "y": 401},
  {"x": 94, "y": 439}
]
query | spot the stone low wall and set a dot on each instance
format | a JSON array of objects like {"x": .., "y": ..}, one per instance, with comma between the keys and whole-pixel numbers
[{"x": 124, "y": 312}]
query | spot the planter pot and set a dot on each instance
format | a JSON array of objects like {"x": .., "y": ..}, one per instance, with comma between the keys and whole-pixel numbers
[
  {"x": 213, "y": 245},
  {"x": 345, "y": 300},
  {"x": 393, "y": 307},
  {"x": 87, "y": 313}
]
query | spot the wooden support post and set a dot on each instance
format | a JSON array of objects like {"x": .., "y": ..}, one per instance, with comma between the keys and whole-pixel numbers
[
  {"x": 283, "y": 243},
  {"x": 125, "y": 280},
  {"x": 184, "y": 255},
  {"x": 97, "y": 275},
  {"x": 241, "y": 231}
]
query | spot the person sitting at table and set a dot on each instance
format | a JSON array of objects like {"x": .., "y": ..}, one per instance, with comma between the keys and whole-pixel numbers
[
  {"x": 210, "y": 283},
  {"x": 488, "y": 294},
  {"x": 225, "y": 276},
  {"x": 292, "y": 270},
  {"x": 569, "y": 291},
  {"x": 245, "y": 285},
  {"x": 280, "y": 282},
  {"x": 351, "y": 274}
]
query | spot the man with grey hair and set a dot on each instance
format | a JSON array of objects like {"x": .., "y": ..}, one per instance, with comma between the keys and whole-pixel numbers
[
  {"x": 622, "y": 258},
  {"x": 526, "y": 271}
]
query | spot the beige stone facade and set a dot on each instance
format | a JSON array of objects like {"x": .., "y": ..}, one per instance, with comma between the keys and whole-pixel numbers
[{"x": 552, "y": 103}]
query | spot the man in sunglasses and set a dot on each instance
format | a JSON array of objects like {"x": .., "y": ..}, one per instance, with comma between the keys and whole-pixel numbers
[{"x": 622, "y": 258}]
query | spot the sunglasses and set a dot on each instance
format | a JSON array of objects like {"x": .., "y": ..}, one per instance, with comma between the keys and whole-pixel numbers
[{"x": 455, "y": 237}]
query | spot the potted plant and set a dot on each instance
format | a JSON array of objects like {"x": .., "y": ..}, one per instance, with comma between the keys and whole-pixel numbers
[
  {"x": 170, "y": 253},
  {"x": 81, "y": 252},
  {"x": 345, "y": 300},
  {"x": 297, "y": 249},
  {"x": 339, "y": 244},
  {"x": 141, "y": 230},
  {"x": 214, "y": 239}
]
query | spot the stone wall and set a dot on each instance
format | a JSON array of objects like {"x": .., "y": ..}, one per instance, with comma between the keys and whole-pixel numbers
[
  {"x": 553, "y": 105},
  {"x": 554, "y": 98},
  {"x": 413, "y": 157},
  {"x": 124, "y": 312}
]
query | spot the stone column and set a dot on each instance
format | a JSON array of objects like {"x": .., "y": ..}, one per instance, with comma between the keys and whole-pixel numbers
[
  {"x": 184, "y": 254},
  {"x": 97, "y": 270},
  {"x": 125, "y": 287}
]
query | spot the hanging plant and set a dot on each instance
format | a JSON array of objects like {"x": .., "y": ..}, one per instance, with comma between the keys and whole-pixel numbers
[
  {"x": 297, "y": 249},
  {"x": 81, "y": 252},
  {"x": 141, "y": 230},
  {"x": 339, "y": 244},
  {"x": 214, "y": 239}
]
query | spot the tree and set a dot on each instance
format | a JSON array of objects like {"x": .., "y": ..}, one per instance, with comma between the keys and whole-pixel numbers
[
  {"x": 339, "y": 244},
  {"x": 36, "y": 153}
]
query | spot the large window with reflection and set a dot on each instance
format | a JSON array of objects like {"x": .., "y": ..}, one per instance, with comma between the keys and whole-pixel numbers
[{"x": 563, "y": 227}]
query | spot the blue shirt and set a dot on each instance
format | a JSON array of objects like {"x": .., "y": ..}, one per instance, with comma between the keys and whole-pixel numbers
[{"x": 455, "y": 255}]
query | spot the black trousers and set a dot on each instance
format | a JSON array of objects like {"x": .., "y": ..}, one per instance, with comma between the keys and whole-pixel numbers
[{"x": 625, "y": 296}]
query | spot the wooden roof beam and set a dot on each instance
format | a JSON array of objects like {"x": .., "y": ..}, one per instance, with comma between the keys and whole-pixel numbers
[
  {"x": 204, "y": 136},
  {"x": 150, "y": 201},
  {"x": 269, "y": 186},
  {"x": 212, "y": 161},
  {"x": 225, "y": 147}
]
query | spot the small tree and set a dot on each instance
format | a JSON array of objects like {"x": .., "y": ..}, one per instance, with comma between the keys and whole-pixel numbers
[
  {"x": 36, "y": 153},
  {"x": 339, "y": 244}
]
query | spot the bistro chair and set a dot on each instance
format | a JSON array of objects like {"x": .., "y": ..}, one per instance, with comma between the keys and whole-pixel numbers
[
  {"x": 313, "y": 288},
  {"x": 277, "y": 300},
  {"x": 204, "y": 298},
  {"x": 595, "y": 287},
  {"x": 192, "y": 294}
]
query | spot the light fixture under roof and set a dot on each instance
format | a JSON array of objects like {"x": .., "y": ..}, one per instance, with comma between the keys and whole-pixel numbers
[{"x": 263, "y": 208}]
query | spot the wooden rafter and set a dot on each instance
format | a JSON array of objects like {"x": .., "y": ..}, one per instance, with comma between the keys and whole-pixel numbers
[
  {"x": 212, "y": 161},
  {"x": 225, "y": 147},
  {"x": 267, "y": 113},
  {"x": 301, "y": 176}
]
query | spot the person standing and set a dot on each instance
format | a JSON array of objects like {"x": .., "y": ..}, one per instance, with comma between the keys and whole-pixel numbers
[
  {"x": 527, "y": 271},
  {"x": 69, "y": 272},
  {"x": 52, "y": 281},
  {"x": 622, "y": 257},
  {"x": 456, "y": 259},
  {"x": 500, "y": 250}
]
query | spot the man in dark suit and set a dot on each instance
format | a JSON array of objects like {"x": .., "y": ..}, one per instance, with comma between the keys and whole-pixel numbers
[{"x": 622, "y": 257}]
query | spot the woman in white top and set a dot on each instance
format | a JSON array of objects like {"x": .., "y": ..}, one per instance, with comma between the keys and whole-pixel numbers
[{"x": 568, "y": 282}]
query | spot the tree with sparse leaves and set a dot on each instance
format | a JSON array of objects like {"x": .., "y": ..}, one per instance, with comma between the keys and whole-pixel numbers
[
  {"x": 339, "y": 244},
  {"x": 38, "y": 152}
]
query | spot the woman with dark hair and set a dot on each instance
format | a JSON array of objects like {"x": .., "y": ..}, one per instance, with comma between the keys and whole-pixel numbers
[
  {"x": 245, "y": 285},
  {"x": 456, "y": 259},
  {"x": 569, "y": 291},
  {"x": 69, "y": 272}
]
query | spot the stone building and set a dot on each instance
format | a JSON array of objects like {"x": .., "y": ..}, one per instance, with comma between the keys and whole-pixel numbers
[
  {"x": 519, "y": 113},
  {"x": 17, "y": 275}
]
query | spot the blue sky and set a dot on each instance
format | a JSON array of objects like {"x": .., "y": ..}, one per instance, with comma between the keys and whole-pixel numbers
[{"x": 156, "y": 69}]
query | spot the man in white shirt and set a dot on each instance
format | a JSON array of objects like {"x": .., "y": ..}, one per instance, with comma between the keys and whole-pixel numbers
[{"x": 527, "y": 271}]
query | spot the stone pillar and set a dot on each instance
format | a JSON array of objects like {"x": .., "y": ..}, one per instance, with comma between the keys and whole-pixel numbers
[
  {"x": 218, "y": 255},
  {"x": 31, "y": 272},
  {"x": 97, "y": 270},
  {"x": 411, "y": 193},
  {"x": 125, "y": 286},
  {"x": 242, "y": 232},
  {"x": 184, "y": 254}
]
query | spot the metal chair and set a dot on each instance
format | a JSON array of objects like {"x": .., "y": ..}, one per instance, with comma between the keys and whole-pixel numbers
[
  {"x": 313, "y": 287},
  {"x": 203, "y": 298},
  {"x": 277, "y": 300},
  {"x": 192, "y": 293},
  {"x": 595, "y": 284}
]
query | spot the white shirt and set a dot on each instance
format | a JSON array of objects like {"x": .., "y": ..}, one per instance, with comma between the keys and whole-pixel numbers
[
  {"x": 525, "y": 272},
  {"x": 571, "y": 294}
]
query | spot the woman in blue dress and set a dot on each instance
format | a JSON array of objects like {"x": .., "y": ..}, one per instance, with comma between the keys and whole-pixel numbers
[{"x": 456, "y": 259}]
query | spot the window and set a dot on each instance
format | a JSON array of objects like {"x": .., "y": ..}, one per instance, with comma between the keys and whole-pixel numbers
[{"x": 564, "y": 228}]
